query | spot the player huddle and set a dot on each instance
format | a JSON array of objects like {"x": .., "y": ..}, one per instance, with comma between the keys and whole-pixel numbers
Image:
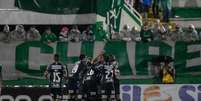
[{"x": 89, "y": 80}]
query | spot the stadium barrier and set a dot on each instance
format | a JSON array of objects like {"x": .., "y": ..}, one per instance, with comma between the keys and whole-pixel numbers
[
  {"x": 129, "y": 92},
  {"x": 172, "y": 92}
]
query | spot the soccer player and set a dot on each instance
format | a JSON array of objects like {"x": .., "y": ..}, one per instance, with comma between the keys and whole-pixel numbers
[
  {"x": 75, "y": 78},
  {"x": 107, "y": 81},
  {"x": 116, "y": 74},
  {"x": 96, "y": 66},
  {"x": 55, "y": 73},
  {"x": 90, "y": 84}
]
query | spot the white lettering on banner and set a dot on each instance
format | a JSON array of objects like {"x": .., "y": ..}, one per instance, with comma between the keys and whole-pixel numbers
[
  {"x": 53, "y": 45},
  {"x": 6, "y": 97},
  {"x": 22, "y": 97},
  {"x": 36, "y": 58},
  {"x": 152, "y": 51},
  {"x": 194, "y": 61},
  {"x": 7, "y": 57},
  {"x": 45, "y": 97},
  {"x": 131, "y": 56},
  {"x": 172, "y": 44},
  {"x": 74, "y": 49},
  {"x": 98, "y": 48},
  {"x": 28, "y": 98}
]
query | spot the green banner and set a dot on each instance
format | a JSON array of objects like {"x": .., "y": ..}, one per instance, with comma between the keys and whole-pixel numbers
[
  {"x": 109, "y": 12},
  {"x": 69, "y": 6},
  {"x": 58, "y": 6},
  {"x": 29, "y": 59}
]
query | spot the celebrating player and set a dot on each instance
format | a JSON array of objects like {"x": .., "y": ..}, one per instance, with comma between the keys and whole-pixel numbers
[
  {"x": 116, "y": 74},
  {"x": 55, "y": 73},
  {"x": 75, "y": 78},
  {"x": 107, "y": 81}
]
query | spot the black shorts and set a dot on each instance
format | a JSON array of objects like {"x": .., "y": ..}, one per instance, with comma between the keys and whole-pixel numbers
[
  {"x": 54, "y": 92},
  {"x": 72, "y": 86},
  {"x": 107, "y": 88},
  {"x": 116, "y": 86},
  {"x": 89, "y": 87}
]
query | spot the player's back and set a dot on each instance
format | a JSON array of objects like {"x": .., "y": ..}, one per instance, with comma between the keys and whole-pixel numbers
[
  {"x": 107, "y": 73},
  {"x": 56, "y": 71}
]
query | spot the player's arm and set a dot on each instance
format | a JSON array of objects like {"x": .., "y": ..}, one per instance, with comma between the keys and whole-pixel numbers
[
  {"x": 116, "y": 70},
  {"x": 174, "y": 72},
  {"x": 95, "y": 60},
  {"x": 65, "y": 71},
  {"x": 46, "y": 73},
  {"x": 161, "y": 72}
]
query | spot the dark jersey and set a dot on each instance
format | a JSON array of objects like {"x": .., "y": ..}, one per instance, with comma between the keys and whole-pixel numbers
[
  {"x": 76, "y": 76},
  {"x": 56, "y": 71},
  {"x": 89, "y": 82},
  {"x": 89, "y": 75},
  {"x": 98, "y": 71},
  {"x": 78, "y": 70},
  {"x": 107, "y": 73},
  {"x": 107, "y": 79}
]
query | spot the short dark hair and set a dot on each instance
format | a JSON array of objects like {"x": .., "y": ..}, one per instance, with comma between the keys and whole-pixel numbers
[
  {"x": 106, "y": 58},
  {"x": 82, "y": 56},
  {"x": 56, "y": 57}
]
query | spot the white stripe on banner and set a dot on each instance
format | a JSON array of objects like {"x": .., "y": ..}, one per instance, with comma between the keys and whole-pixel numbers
[
  {"x": 74, "y": 49},
  {"x": 36, "y": 59},
  {"x": 7, "y": 57},
  {"x": 98, "y": 48},
  {"x": 131, "y": 56},
  {"x": 194, "y": 61}
]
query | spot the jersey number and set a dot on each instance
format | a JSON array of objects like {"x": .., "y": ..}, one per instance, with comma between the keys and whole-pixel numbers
[
  {"x": 56, "y": 77},
  {"x": 108, "y": 75}
]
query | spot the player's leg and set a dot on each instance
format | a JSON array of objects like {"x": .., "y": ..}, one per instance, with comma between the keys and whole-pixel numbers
[
  {"x": 72, "y": 89},
  {"x": 59, "y": 94},
  {"x": 117, "y": 90},
  {"x": 53, "y": 94},
  {"x": 92, "y": 91},
  {"x": 80, "y": 91},
  {"x": 110, "y": 91},
  {"x": 85, "y": 91},
  {"x": 103, "y": 93}
]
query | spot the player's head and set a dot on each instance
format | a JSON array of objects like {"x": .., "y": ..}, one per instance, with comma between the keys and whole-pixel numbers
[
  {"x": 167, "y": 62},
  {"x": 82, "y": 57},
  {"x": 112, "y": 58},
  {"x": 56, "y": 57},
  {"x": 106, "y": 58}
]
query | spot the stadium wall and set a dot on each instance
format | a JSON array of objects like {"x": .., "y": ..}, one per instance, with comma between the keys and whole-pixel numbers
[
  {"x": 172, "y": 92},
  {"x": 28, "y": 17},
  {"x": 28, "y": 60},
  {"x": 110, "y": 12},
  {"x": 186, "y": 3},
  {"x": 7, "y": 4}
]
